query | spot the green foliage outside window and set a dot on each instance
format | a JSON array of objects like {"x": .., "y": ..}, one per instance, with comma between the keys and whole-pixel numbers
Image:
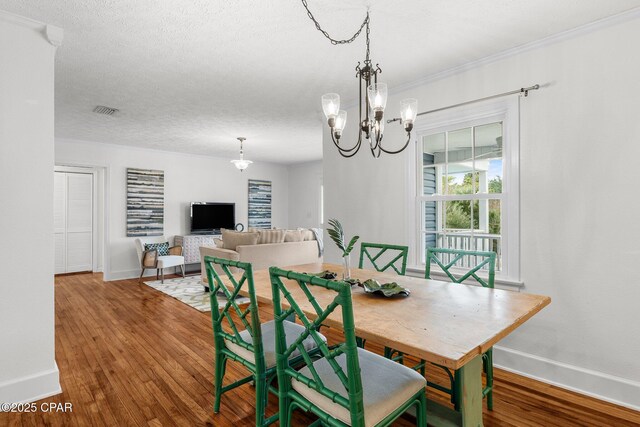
[{"x": 459, "y": 211}]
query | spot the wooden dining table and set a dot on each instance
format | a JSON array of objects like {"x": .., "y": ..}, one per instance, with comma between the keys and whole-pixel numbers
[{"x": 445, "y": 323}]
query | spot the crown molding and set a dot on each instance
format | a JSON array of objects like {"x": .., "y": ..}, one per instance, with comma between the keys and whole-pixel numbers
[
  {"x": 536, "y": 44},
  {"x": 51, "y": 33},
  {"x": 546, "y": 41},
  {"x": 21, "y": 20}
]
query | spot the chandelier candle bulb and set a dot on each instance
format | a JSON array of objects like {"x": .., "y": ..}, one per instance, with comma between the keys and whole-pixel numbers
[
  {"x": 377, "y": 96},
  {"x": 408, "y": 112},
  {"x": 340, "y": 123},
  {"x": 330, "y": 105}
]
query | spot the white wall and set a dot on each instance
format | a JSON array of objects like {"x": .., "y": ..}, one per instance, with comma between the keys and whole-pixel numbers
[
  {"x": 27, "y": 359},
  {"x": 187, "y": 178},
  {"x": 305, "y": 180},
  {"x": 579, "y": 232}
]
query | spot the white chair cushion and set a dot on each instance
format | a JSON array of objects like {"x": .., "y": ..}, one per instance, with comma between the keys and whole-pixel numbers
[
  {"x": 166, "y": 261},
  {"x": 292, "y": 330},
  {"x": 386, "y": 386}
]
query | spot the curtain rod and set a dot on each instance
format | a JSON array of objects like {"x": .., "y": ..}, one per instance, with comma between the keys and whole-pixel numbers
[{"x": 523, "y": 90}]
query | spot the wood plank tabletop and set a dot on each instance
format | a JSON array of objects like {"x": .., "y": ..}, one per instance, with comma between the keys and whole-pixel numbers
[{"x": 441, "y": 322}]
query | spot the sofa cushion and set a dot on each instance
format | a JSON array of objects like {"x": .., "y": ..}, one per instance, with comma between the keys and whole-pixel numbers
[
  {"x": 279, "y": 254},
  {"x": 233, "y": 239},
  {"x": 271, "y": 236},
  {"x": 307, "y": 234},
  {"x": 293, "y": 236}
]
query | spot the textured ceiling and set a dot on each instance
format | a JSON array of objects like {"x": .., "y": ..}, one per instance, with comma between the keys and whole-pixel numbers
[{"x": 190, "y": 76}]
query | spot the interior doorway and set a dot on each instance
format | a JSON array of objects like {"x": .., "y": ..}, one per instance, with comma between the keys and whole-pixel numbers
[{"x": 77, "y": 219}]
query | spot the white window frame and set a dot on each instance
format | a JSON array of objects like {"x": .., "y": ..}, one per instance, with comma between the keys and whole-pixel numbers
[{"x": 507, "y": 111}]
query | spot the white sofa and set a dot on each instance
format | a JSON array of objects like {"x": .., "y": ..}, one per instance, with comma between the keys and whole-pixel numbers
[{"x": 265, "y": 255}]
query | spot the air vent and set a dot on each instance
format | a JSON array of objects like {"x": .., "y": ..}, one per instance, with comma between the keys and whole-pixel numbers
[{"x": 101, "y": 109}]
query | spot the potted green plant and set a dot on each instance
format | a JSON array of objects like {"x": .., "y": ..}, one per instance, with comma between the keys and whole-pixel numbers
[{"x": 336, "y": 233}]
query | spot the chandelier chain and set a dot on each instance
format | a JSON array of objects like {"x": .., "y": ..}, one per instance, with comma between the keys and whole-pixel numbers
[
  {"x": 367, "y": 34},
  {"x": 334, "y": 41}
]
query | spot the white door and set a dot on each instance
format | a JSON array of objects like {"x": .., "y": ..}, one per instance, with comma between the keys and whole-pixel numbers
[
  {"x": 60, "y": 221},
  {"x": 73, "y": 222}
]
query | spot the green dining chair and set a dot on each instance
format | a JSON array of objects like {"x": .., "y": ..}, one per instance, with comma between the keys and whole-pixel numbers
[
  {"x": 447, "y": 259},
  {"x": 254, "y": 346},
  {"x": 374, "y": 251},
  {"x": 347, "y": 386}
]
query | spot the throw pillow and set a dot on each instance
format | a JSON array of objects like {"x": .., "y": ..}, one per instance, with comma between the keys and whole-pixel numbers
[
  {"x": 271, "y": 236},
  {"x": 219, "y": 243},
  {"x": 233, "y": 239},
  {"x": 293, "y": 236},
  {"x": 162, "y": 248},
  {"x": 307, "y": 234}
]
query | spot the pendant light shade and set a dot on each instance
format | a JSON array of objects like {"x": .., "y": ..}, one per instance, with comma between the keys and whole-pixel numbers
[
  {"x": 377, "y": 94},
  {"x": 408, "y": 111},
  {"x": 331, "y": 105},
  {"x": 241, "y": 163}
]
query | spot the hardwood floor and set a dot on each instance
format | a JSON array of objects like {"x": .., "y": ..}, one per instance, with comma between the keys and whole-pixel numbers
[{"x": 130, "y": 355}]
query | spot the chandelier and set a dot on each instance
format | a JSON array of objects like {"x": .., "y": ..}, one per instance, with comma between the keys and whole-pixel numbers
[
  {"x": 373, "y": 101},
  {"x": 241, "y": 164}
]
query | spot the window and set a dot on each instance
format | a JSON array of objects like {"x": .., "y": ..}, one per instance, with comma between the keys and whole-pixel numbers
[{"x": 466, "y": 189}]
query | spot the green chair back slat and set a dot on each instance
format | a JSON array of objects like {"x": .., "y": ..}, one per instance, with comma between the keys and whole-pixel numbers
[
  {"x": 351, "y": 379},
  {"x": 250, "y": 319},
  {"x": 253, "y": 325},
  {"x": 373, "y": 252},
  {"x": 486, "y": 260}
]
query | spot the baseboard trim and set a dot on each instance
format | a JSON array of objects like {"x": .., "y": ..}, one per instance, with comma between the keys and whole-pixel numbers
[
  {"x": 31, "y": 387},
  {"x": 126, "y": 274},
  {"x": 606, "y": 387}
]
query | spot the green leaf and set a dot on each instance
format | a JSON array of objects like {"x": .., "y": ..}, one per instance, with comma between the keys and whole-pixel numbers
[
  {"x": 325, "y": 274},
  {"x": 350, "y": 245},
  {"x": 336, "y": 233},
  {"x": 388, "y": 290}
]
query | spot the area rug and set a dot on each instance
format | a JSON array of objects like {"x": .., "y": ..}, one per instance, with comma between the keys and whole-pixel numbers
[{"x": 190, "y": 291}]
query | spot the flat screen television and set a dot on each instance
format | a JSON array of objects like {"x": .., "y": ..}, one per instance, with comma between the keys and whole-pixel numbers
[{"x": 209, "y": 218}]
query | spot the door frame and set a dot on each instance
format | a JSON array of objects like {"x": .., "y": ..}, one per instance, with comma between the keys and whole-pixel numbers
[{"x": 99, "y": 197}]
